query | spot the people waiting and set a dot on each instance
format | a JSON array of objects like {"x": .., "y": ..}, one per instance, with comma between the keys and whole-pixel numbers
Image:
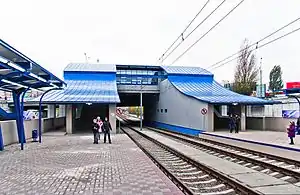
[
  {"x": 106, "y": 129},
  {"x": 298, "y": 126},
  {"x": 95, "y": 129},
  {"x": 291, "y": 132}
]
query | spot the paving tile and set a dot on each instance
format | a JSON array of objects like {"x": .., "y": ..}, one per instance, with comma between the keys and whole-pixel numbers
[{"x": 73, "y": 165}]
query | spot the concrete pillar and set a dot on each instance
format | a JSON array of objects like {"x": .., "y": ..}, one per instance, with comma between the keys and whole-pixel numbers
[
  {"x": 112, "y": 117},
  {"x": 69, "y": 119},
  {"x": 209, "y": 118},
  {"x": 243, "y": 118},
  {"x": 51, "y": 111}
]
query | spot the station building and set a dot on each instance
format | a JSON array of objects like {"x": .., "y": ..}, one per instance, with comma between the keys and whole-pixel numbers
[{"x": 185, "y": 99}]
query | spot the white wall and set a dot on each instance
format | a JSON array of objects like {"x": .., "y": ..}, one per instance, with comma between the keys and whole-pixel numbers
[
  {"x": 181, "y": 110},
  {"x": 9, "y": 128}
]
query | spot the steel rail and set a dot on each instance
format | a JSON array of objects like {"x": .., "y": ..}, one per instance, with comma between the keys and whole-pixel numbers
[
  {"x": 171, "y": 176},
  {"x": 239, "y": 187},
  {"x": 282, "y": 170}
]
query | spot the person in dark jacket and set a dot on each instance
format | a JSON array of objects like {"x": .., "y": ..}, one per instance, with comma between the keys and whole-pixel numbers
[
  {"x": 231, "y": 123},
  {"x": 237, "y": 123},
  {"x": 95, "y": 128},
  {"x": 106, "y": 129},
  {"x": 298, "y": 126},
  {"x": 291, "y": 132}
]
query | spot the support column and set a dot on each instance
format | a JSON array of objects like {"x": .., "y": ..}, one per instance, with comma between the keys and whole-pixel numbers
[
  {"x": 209, "y": 118},
  {"x": 243, "y": 118},
  {"x": 112, "y": 117},
  {"x": 69, "y": 119},
  {"x": 19, "y": 117}
]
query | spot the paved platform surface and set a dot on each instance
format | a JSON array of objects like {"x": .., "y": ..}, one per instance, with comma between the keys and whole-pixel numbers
[
  {"x": 73, "y": 165},
  {"x": 269, "y": 137},
  {"x": 259, "y": 181}
]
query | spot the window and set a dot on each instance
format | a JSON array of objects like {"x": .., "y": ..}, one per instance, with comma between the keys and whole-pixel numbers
[
  {"x": 166, "y": 110},
  {"x": 157, "y": 110},
  {"x": 161, "y": 110}
]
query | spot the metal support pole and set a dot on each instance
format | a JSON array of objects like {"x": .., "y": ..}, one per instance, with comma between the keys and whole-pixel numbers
[
  {"x": 297, "y": 101},
  {"x": 1, "y": 140},
  {"x": 40, "y": 112},
  {"x": 119, "y": 126},
  {"x": 141, "y": 107},
  {"x": 19, "y": 118},
  {"x": 22, "y": 99},
  {"x": 260, "y": 77}
]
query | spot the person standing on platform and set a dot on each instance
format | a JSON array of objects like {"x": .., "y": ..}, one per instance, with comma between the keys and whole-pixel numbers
[
  {"x": 106, "y": 129},
  {"x": 95, "y": 128},
  {"x": 291, "y": 132},
  {"x": 100, "y": 123},
  {"x": 231, "y": 123},
  {"x": 298, "y": 126},
  {"x": 237, "y": 123}
]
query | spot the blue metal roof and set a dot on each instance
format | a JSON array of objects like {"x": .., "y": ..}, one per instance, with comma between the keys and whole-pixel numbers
[
  {"x": 84, "y": 91},
  {"x": 212, "y": 92},
  {"x": 185, "y": 70},
  {"x": 84, "y": 67},
  {"x": 18, "y": 71}
]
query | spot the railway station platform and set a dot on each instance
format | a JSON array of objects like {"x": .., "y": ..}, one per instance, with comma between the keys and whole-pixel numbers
[
  {"x": 274, "y": 139},
  {"x": 256, "y": 180},
  {"x": 73, "y": 165}
]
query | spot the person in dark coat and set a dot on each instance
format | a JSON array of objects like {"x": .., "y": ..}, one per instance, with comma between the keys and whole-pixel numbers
[
  {"x": 231, "y": 123},
  {"x": 298, "y": 126},
  {"x": 106, "y": 129},
  {"x": 237, "y": 123},
  {"x": 291, "y": 132},
  {"x": 95, "y": 129}
]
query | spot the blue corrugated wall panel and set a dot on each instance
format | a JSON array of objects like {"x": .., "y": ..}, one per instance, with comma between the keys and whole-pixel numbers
[{"x": 188, "y": 131}]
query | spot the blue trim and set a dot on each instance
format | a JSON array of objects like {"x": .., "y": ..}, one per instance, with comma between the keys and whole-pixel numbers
[
  {"x": 97, "y": 76},
  {"x": 6, "y": 115},
  {"x": 19, "y": 118},
  {"x": 1, "y": 140},
  {"x": 176, "y": 128},
  {"x": 254, "y": 142}
]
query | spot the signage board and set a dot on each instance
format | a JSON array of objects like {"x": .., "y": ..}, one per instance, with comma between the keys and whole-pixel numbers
[
  {"x": 290, "y": 114},
  {"x": 293, "y": 85}
]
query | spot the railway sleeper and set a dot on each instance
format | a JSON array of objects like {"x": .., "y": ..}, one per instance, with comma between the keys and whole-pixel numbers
[
  {"x": 188, "y": 173},
  {"x": 228, "y": 192}
]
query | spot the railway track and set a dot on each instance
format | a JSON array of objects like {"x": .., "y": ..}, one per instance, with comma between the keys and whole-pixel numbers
[
  {"x": 190, "y": 176},
  {"x": 275, "y": 166}
]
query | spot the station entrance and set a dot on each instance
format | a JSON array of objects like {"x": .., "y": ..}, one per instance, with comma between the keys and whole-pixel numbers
[{"x": 84, "y": 115}]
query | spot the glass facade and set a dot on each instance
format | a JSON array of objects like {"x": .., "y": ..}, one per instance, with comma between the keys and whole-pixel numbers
[{"x": 139, "y": 76}]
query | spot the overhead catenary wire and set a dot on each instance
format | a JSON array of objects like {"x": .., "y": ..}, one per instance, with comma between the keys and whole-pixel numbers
[
  {"x": 255, "y": 43},
  {"x": 181, "y": 34},
  {"x": 265, "y": 44},
  {"x": 207, "y": 32},
  {"x": 194, "y": 29}
]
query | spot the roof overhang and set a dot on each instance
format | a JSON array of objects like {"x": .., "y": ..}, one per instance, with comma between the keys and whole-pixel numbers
[{"x": 17, "y": 71}]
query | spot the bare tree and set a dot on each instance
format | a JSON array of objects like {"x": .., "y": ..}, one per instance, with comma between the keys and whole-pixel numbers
[{"x": 246, "y": 71}]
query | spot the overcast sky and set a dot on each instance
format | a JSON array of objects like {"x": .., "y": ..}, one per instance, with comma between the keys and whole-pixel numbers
[{"x": 57, "y": 32}]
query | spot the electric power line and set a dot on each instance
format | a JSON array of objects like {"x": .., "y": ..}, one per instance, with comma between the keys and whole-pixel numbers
[
  {"x": 194, "y": 30},
  {"x": 259, "y": 47},
  {"x": 207, "y": 32},
  {"x": 181, "y": 35},
  {"x": 255, "y": 43}
]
